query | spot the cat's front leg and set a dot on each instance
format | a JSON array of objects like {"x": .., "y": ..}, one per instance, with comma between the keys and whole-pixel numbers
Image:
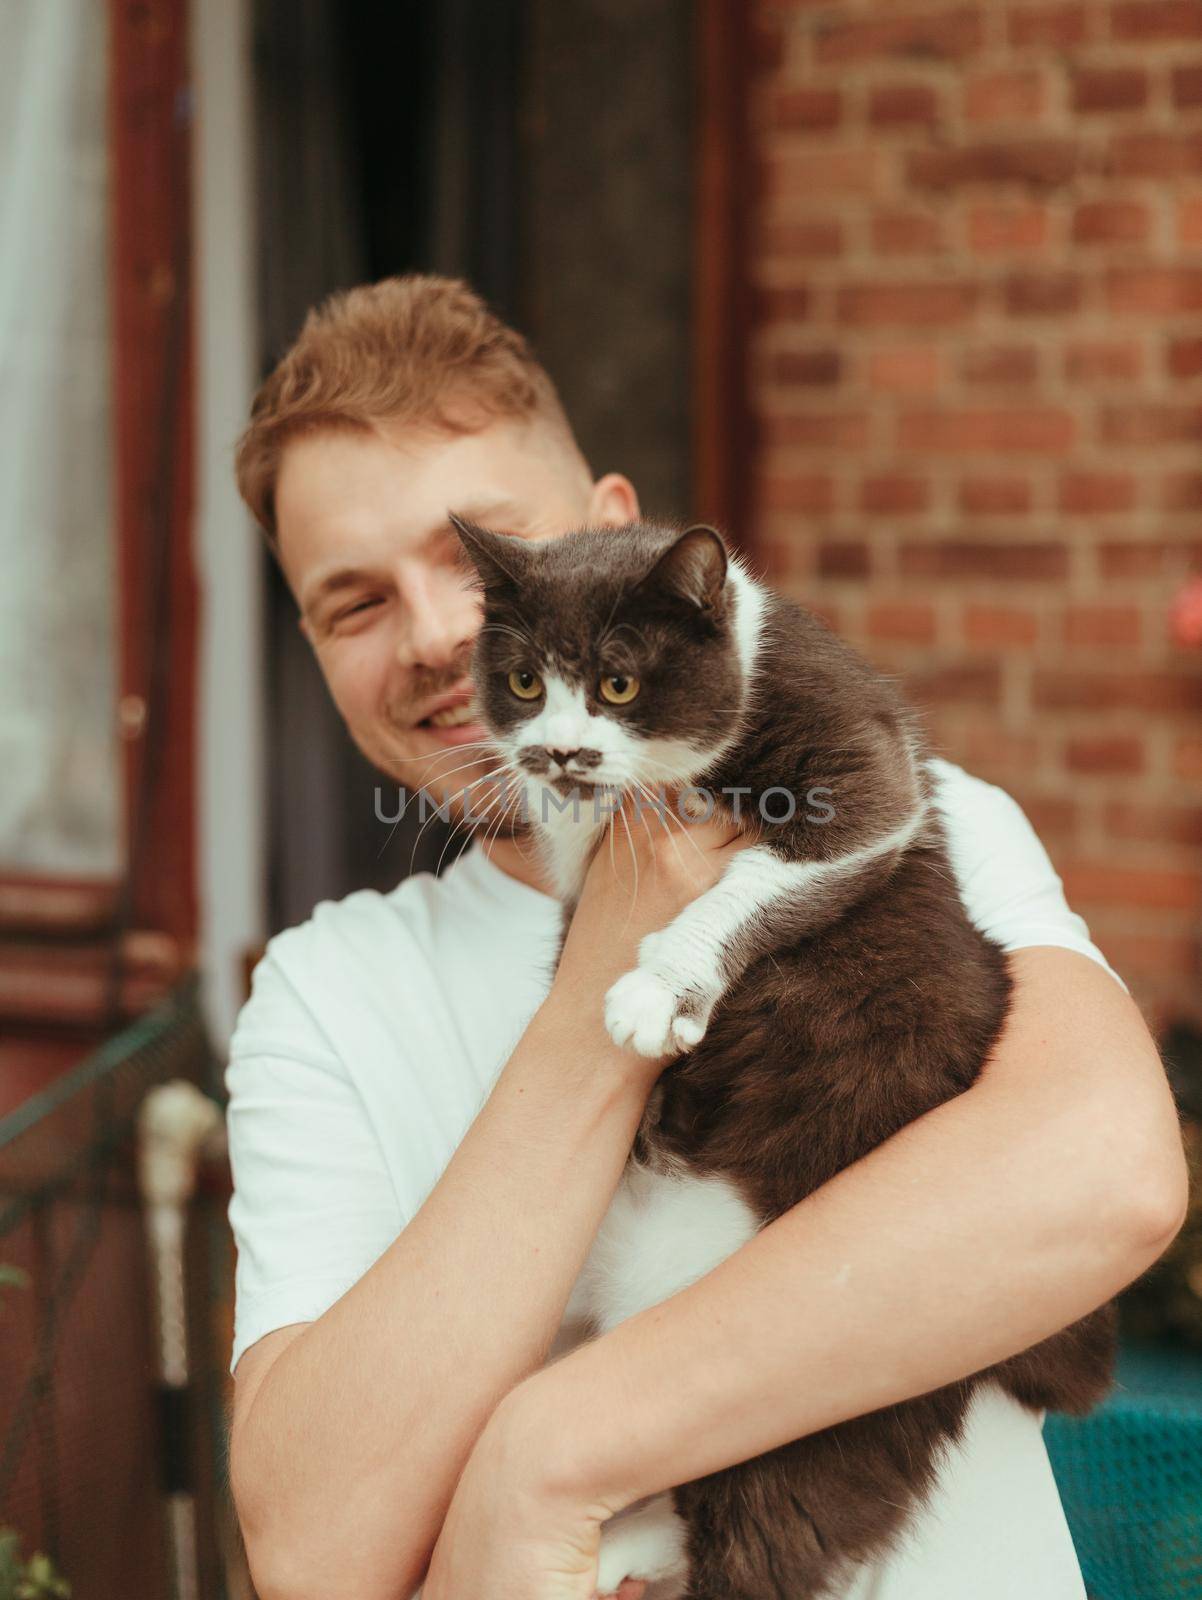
[
  {"x": 646, "y": 1543},
  {"x": 663, "y": 1006},
  {"x": 761, "y": 903}
]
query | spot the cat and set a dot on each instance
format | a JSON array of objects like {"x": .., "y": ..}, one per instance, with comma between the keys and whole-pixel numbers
[{"x": 829, "y": 989}]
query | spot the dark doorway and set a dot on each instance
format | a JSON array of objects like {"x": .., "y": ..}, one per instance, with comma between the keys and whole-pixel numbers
[{"x": 541, "y": 149}]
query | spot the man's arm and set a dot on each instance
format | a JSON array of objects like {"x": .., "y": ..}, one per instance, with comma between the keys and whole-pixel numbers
[
  {"x": 349, "y": 1432},
  {"x": 975, "y": 1232}
]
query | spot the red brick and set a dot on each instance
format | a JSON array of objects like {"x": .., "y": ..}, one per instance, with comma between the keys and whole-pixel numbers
[
  {"x": 773, "y": 303},
  {"x": 936, "y": 35},
  {"x": 999, "y": 627},
  {"x": 1049, "y": 814},
  {"x": 844, "y": 558},
  {"x": 807, "y": 109},
  {"x": 1043, "y": 294},
  {"x": 1111, "y": 222},
  {"x": 906, "y": 303},
  {"x": 1151, "y": 953},
  {"x": 1133, "y": 559},
  {"x": 811, "y": 493},
  {"x": 803, "y": 239},
  {"x": 902, "y": 623},
  {"x": 1043, "y": 26},
  {"x": 1042, "y": 163},
  {"x": 1152, "y": 424},
  {"x": 1156, "y": 155},
  {"x": 789, "y": 174},
  {"x": 1156, "y": 19},
  {"x": 1094, "y": 361},
  {"x": 826, "y": 612},
  {"x": 1011, "y": 96},
  {"x": 995, "y": 496},
  {"x": 903, "y": 104},
  {"x": 1189, "y": 221},
  {"x": 767, "y": 46},
  {"x": 1001, "y": 365},
  {"x": 1156, "y": 291},
  {"x": 1185, "y": 357},
  {"x": 906, "y": 232},
  {"x": 1096, "y": 493},
  {"x": 1129, "y": 690},
  {"x": 1110, "y": 89},
  {"x": 1187, "y": 86},
  {"x": 1032, "y": 429},
  {"x": 1187, "y": 757},
  {"x": 1102, "y": 627},
  {"x": 1108, "y": 753},
  {"x": 806, "y": 367},
  {"x": 894, "y": 492},
  {"x": 971, "y": 683},
  {"x": 1182, "y": 492},
  {"x": 1154, "y": 824},
  {"x": 1002, "y": 229},
  {"x": 959, "y": 559},
  {"x": 907, "y": 369},
  {"x": 819, "y": 430},
  {"x": 1101, "y": 883}
]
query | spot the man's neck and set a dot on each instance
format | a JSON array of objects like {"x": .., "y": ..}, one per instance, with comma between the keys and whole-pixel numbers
[{"x": 518, "y": 858}]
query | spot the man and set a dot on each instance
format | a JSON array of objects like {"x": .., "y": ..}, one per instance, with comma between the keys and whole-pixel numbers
[{"x": 425, "y": 1135}]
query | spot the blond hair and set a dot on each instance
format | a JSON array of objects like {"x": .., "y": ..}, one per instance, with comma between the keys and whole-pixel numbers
[{"x": 420, "y": 350}]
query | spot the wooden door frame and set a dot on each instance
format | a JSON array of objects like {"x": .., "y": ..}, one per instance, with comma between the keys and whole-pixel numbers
[{"x": 722, "y": 429}]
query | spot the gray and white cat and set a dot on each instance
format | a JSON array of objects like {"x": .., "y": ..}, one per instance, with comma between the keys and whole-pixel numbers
[{"x": 827, "y": 990}]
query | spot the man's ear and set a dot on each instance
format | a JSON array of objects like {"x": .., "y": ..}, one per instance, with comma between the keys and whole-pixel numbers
[
  {"x": 302, "y": 623},
  {"x": 613, "y": 502},
  {"x": 692, "y": 569},
  {"x": 499, "y": 559}
]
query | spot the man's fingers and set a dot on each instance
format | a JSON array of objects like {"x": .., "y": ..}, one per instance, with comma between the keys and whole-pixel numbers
[{"x": 630, "y": 1589}]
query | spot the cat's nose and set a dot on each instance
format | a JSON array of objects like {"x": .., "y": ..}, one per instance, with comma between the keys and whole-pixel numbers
[{"x": 562, "y": 756}]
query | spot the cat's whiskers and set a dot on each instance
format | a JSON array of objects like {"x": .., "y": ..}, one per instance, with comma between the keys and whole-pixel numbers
[
  {"x": 634, "y": 861},
  {"x": 656, "y": 807},
  {"x": 472, "y": 824},
  {"x": 437, "y": 812}
]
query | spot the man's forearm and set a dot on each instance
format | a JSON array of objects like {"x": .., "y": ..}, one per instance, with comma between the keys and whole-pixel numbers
[
  {"x": 346, "y": 1457},
  {"x": 977, "y": 1231}
]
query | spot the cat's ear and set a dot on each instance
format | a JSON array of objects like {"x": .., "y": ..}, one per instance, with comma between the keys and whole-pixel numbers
[
  {"x": 692, "y": 569},
  {"x": 498, "y": 559}
]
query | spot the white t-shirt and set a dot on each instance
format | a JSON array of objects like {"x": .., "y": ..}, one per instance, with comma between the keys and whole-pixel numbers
[{"x": 375, "y": 1032}]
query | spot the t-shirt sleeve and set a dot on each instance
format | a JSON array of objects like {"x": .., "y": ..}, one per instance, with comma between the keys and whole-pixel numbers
[
  {"x": 1009, "y": 886},
  {"x": 313, "y": 1203}
]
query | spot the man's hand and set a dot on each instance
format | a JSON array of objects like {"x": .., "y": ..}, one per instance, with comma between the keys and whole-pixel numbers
[
  {"x": 512, "y": 1533},
  {"x": 648, "y": 869}
]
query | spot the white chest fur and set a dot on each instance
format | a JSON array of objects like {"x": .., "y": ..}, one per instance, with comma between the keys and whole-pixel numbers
[{"x": 660, "y": 1234}]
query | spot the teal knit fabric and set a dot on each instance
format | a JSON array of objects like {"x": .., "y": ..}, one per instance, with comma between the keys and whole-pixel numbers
[{"x": 1130, "y": 1477}]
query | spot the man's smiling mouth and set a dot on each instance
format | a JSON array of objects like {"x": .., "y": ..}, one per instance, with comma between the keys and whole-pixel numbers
[{"x": 451, "y": 717}]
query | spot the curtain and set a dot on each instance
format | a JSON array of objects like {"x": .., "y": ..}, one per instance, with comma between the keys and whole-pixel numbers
[{"x": 59, "y": 781}]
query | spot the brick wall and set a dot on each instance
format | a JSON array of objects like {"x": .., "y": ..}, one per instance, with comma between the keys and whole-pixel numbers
[{"x": 977, "y": 382}]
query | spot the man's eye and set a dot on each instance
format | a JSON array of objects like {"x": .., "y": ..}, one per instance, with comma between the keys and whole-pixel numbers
[{"x": 358, "y": 607}]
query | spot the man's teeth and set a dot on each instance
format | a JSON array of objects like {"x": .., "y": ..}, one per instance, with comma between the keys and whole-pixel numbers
[{"x": 452, "y": 717}]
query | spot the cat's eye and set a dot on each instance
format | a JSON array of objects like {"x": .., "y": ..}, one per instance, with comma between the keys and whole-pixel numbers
[
  {"x": 526, "y": 685},
  {"x": 618, "y": 688}
]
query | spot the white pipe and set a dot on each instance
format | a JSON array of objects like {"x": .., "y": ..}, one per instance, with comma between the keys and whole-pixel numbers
[{"x": 230, "y": 796}]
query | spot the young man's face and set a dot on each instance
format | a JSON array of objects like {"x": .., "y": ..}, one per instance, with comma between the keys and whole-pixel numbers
[{"x": 372, "y": 560}]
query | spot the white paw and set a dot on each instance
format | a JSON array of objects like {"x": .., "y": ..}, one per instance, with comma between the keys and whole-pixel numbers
[
  {"x": 648, "y": 1543},
  {"x": 642, "y": 1013}
]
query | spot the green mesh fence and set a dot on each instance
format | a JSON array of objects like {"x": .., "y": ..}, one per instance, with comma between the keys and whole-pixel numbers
[
  {"x": 82, "y": 1456},
  {"x": 1130, "y": 1477}
]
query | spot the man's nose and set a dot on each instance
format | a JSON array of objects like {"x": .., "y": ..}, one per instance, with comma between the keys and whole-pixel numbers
[{"x": 440, "y": 619}]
